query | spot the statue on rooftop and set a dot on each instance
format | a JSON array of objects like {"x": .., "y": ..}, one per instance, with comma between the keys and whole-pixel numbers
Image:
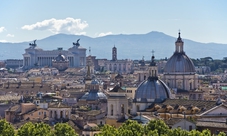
[
  {"x": 77, "y": 43},
  {"x": 33, "y": 44}
]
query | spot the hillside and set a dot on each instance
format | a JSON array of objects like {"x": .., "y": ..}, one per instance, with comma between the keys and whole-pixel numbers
[{"x": 132, "y": 46}]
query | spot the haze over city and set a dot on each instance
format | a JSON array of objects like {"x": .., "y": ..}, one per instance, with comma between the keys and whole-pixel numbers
[{"x": 201, "y": 21}]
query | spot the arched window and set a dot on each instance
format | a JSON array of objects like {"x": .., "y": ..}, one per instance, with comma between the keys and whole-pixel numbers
[
  {"x": 61, "y": 114},
  {"x": 137, "y": 108},
  {"x": 55, "y": 114},
  {"x": 122, "y": 109},
  {"x": 67, "y": 114},
  {"x": 110, "y": 67},
  {"x": 111, "y": 110},
  {"x": 115, "y": 67},
  {"x": 51, "y": 114}
]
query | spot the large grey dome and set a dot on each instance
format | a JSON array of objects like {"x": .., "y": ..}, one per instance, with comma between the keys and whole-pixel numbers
[
  {"x": 179, "y": 62},
  {"x": 152, "y": 90},
  {"x": 93, "y": 95}
]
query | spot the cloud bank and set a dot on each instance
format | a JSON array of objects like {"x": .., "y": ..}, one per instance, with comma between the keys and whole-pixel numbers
[
  {"x": 68, "y": 25},
  {"x": 2, "y": 29},
  {"x": 9, "y": 35},
  {"x": 3, "y": 41},
  {"x": 104, "y": 34}
]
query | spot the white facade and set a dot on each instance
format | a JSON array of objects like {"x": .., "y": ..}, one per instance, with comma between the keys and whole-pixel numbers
[
  {"x": 184, "y": 124},
  {"x": 119, "y": 66},
  {"x": 181, "y": 80},
  {"x": 33, "y": 55},
  {"x": 117, "y": 104},
  {"x": 59, "y": 113}
]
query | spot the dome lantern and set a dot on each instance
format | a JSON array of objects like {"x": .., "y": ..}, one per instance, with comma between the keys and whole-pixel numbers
[{"x": 179, "y": 44}]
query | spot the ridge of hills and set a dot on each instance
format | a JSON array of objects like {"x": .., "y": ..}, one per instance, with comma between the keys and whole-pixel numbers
[{"x": 131, "y": 46}]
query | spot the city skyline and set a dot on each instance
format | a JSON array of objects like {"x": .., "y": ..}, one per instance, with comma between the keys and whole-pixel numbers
[{"x": 201, "y": 21}]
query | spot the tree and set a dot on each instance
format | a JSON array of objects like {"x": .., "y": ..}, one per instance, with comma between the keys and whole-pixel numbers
[
  {"x": 178, "y": 132},
  {"x": 132, "y": 128},
  {"x": 6, "y": 129},
  {"x": 30, "y": 129},
  {"x": 221, "y": 134},
  {"x": 108, "y": 130},
  {"x": 158, "y": 125},
  {"x": 206, "y": 132},
  {"x": 63, "y": 129},
  {"x": 26, "y": 129},
  {"x": 195, "y": 133}
]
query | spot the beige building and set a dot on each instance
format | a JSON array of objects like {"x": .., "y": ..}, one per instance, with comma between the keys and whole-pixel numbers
[
  {"x": 59, "y": 111},
  {"x": 17, "y": 112},
  {"x": 36, "y": 114},
  {"x": 118, "y": 107},
  {"x": 118, "y": 66}
]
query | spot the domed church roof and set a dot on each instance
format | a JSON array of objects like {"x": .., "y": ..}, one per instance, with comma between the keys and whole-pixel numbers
[
  {"x": 179, "y": 61},
  {"x": 93, "y": 95},
  {"x": 60, "y": 57},
  {"x": 153, "y": 89}
]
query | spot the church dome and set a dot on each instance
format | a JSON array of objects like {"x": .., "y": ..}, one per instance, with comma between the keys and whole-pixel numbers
[
  {"x": 94, "y": 82},
  {"x": 152, "y": 90},
  {"x": 179, "y": 61},
  {"x": 93, "y": 95}
]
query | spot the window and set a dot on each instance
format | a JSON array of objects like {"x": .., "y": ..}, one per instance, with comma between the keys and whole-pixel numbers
[
  {"x": 111, "y": 110},
  {"x": 190, "y": 86},
  {"x": 50, "y": 114},
  {"x": 179, "y": 84},
  {"x": 190, "y": 128},
  {"x": 137, "y": 107},
  {"x": 122, "y": 109}
]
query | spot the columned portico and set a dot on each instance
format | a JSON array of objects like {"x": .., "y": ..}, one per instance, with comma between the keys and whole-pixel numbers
[{"x": 35, "y": 56}]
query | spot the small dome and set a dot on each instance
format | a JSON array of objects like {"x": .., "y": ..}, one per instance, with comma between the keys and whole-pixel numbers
[
  {"x": 94, "y": 82},
  {"x": 152, "y": 90},
  {"x": 93, "y": 96},
  {"x": 179, "y": 62},
  {"x": 60, "y": 57}
]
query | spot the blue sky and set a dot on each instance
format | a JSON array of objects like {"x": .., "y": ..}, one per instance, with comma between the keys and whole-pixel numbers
[{"x": 198, "y": 20}]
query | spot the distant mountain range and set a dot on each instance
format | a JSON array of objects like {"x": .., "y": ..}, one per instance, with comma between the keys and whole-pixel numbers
[{"x": 133, "y": 46}]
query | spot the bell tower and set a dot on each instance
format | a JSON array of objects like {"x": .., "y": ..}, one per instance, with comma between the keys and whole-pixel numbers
[{"x": 114, "y": 53}]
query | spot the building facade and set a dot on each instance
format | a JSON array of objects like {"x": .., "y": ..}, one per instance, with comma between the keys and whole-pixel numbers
[
  {"x": 118, "y": 66},
  {"x": 179, "y": 72},
  {"x": 35, "y": 56}
]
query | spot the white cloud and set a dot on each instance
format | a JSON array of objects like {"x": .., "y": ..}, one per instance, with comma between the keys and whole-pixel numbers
[
  {"x": 2, "y": 29},
  {"x": 3, "y": 41},
  {"x": 68, "y": 25},
  {"x": 9, "y": 35},
  {"x": 104, "y": 34}
]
